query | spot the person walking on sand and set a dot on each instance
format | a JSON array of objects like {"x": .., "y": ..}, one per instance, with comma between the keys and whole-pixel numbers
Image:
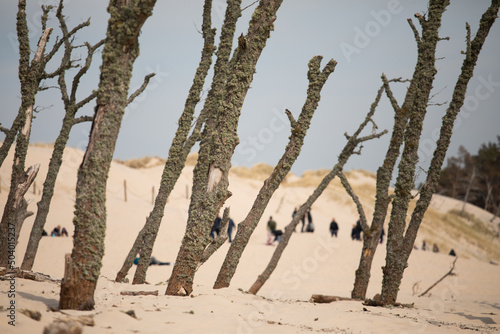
[
  {"x": 310, "y": 224},
  {"x": 271, "y": 226},
  {"x": 216, "y": 227},
  {"x": 334, "y": 227},
  {"x": 230, "y": 226}
]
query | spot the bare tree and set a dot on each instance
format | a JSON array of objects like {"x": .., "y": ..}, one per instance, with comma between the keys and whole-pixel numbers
[
  {"x": 317, "y": 79},
  {"x": 179, "y": 149},
  {"x": 120, "y": 51},
  {"x": 349, "y": 149},
  {"x": 400, "y": 244},
  {"x": 71, "y": 106},
  {"x": 219, "y": 139},
  {"x": 31, "y": 74}
]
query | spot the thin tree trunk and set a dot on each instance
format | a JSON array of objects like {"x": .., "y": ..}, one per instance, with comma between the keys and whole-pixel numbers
[
  {"x": 467, "y": 192},
  {"x": 317, "y": 79},
  {"x": 352, "y": 142},
  {"x": 71, "y": 107},
  {"x": 384, "y": 176},
  {"x": 30, "y": 76},
  {"x": 120, "y": 51},
  {"x": 397, "y": 262},
  {"x": 210, "y": 180},
  {"x": 405, "y": 180},
  {"x": 178, "y": 152}
]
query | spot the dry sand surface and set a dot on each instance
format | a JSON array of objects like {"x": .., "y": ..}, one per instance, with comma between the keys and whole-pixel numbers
[{"x": 313, "y": 263}]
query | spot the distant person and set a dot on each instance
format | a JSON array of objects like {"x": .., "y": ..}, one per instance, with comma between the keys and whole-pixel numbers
[
  {"x": 271, "y": 228},
  {"x": 334, "y": 227},
  {"x": 381, "y": 240},
  {"x": 356, "y": 231},
  {"x": 424, "y": 245},
  {"x": 216, "y": 227},
  {"x": 303, "y": 221},
  {"x": 56, "y": 232},
  {"x": 310, "y": 224},
  {"x": 294, "y": 213},
  {"x": 435, "y": 248},
  {"x": 277, "y": 235},
  {"x": 44, "y": 233},
  {"x": 64, "y": 232},
  {"x": 152, "y": 261},
  {"x": 230, "y": 227}
]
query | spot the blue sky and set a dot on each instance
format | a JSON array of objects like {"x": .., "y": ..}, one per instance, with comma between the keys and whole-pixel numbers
[{"x": 367, "y": 38}]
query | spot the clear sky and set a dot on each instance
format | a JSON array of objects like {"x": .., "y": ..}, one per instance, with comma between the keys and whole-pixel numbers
[{"x": 367, "y": 38}]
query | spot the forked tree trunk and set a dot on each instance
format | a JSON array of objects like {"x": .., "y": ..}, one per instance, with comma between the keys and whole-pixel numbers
[
  {"x": 120, "y": 51},
  {"x": 210, "y": 179},
  {"x": 384, "y": 176},
  {"x": 395, "y": 264},
  {"x": 401, "y": 246},
  {"x": 317, "y": 79}
]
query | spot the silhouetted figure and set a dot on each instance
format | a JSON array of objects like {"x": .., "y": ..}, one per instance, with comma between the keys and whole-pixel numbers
[
  {"x": 56, "y": 232},
  {"x": 452, "y": 253},
  {"x": 435, "y": 248},
  {"x": 334, "y": 227},
  {"x": 230, "y": 227},
  {"x": 382, "y": 236},
  {"x": 356, "y": 231},
  {"x": 216, "y": 227}
]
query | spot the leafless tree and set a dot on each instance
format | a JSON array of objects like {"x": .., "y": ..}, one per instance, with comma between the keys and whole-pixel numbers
[{"x": 119, "y": 54}]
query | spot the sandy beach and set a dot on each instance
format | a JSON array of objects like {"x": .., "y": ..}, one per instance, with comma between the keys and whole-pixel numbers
[{"x": 313, "y": 263}]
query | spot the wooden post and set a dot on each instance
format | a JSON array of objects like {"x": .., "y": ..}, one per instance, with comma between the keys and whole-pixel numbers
[{"x": 125, "y": 189}]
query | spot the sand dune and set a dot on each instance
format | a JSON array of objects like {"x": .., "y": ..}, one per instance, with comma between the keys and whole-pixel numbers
[{"x": 313, "y": 263}]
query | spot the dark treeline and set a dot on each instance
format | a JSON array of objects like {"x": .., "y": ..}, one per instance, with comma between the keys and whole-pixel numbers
[{"x": 474, "y": 178}]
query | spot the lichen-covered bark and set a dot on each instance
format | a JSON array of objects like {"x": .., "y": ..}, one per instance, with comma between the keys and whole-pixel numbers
[
  {"x": 219, "y": 139},
  {"x": 390, "y": 289},
  {"x": 423, "y": 78},
  {"x": 30, "y": 75},
  {"x": 352, "y": 142},
  {"x": 118, "y": 56},
  {"x": 177, "y": 155},
  {"x": 317, "y": 79},
  {"x": 382, "y": 199},
  {"x": 71, "y": 106}
]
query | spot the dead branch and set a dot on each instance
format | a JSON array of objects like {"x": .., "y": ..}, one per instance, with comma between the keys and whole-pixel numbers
[
  {"x": 355, "y": 198},
  {"x": 139, "y": 293},
  {"x": 326, "y": 299},
  {"x": 449, "y": 273}
]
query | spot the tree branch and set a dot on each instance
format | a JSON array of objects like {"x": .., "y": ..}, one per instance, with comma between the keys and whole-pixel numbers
[{"x": 140, "y": 89}]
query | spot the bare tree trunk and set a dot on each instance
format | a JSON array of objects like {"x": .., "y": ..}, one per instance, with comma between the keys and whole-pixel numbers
[
  {"x": 400, "y": 247},
  {"x": 71, "y": 107},
  {"x": 180, "y": 148},
  {"x": 120, "y": 51},
  {"x": 30, "y": 76},
  {"x": 405, "y": 180},
  {"x": 14, "y": 215},
  {"x": 352, "y": 142},
  {"x": 384, "y": 176},
  {"x": 210, "y": 180},
  {"x": 317, "y": 79},
  {"x": 467, "y": 192}
]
